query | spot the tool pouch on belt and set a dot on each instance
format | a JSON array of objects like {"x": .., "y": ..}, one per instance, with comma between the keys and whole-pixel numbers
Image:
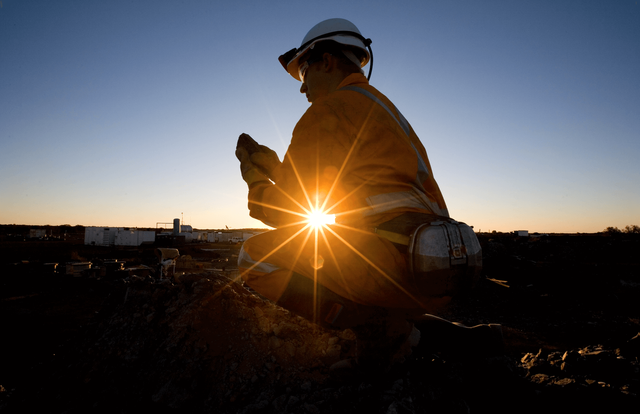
[{"x": 444, "y": 255}]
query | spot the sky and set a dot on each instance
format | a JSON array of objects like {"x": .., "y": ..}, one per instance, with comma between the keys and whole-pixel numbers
[{"x": 126, "y": 113}]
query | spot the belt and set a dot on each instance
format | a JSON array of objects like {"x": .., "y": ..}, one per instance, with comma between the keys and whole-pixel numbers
[
  {"x": 396, "y": 238},
  {"x": 399, "y": 229}
]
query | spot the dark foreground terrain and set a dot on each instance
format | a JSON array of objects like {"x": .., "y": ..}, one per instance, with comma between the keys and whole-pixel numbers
[{"x": 125, "y": 343}]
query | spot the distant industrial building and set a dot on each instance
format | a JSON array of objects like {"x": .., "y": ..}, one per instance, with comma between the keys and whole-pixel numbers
[
  {"x": 38, "y": 233},
  {"x": 117, "y": 236},
  {"x": 123, "y": 236}
]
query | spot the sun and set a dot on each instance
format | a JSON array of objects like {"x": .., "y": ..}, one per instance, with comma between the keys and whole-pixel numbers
[{"x": 318, "y": 218}]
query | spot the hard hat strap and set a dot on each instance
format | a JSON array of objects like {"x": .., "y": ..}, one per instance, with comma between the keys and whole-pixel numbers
[{"x": 370, "y": 59}]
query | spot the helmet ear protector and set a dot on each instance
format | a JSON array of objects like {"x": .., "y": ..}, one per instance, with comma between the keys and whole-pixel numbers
[{"x": 288, "y": 57}]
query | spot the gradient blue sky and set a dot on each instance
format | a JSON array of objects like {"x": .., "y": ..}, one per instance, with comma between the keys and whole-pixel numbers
[{"x": 126, "y": 113}]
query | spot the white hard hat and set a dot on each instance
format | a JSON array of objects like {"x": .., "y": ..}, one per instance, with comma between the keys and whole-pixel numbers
[{"x": 338, "y": 30}]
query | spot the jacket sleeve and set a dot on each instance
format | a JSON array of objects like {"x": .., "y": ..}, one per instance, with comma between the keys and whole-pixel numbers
[{"x": 306, "y": 177}]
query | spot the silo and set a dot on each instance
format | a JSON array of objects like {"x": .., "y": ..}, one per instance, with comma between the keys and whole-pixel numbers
[{"x": 176, "y": 227}]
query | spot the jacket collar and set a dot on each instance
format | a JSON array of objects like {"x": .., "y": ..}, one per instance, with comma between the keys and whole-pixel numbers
[{"x": 353, "y": 79}]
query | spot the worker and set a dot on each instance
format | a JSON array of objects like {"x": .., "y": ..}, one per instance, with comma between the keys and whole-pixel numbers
[{"x": 355, "y": 158}]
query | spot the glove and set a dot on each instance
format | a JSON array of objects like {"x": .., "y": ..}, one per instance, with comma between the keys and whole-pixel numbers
[
  {"x": 250, "y": 173},
  {"x": 266, "y": 160}
]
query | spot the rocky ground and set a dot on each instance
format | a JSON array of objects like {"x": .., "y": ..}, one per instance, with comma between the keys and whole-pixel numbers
[{"x": 204, "y": 343}]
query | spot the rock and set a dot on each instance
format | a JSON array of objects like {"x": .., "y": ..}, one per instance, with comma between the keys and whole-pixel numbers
[
  {"x": 292, "y": 402},
  {"x": 311, "y": 409},
  {"x": 404, "y": 406},
  {"x": 564, "y": 382},
  {"x": 539, "y": 378}
]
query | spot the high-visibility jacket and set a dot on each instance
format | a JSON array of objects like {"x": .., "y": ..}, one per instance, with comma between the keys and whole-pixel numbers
[{"x": 349, "y": 156}]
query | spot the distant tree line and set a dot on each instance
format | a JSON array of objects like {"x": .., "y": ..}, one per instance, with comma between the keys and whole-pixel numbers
[{"x": 633, "y": 229}]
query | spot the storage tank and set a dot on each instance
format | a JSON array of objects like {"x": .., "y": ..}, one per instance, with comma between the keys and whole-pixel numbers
[{"x": 176, "y": 227}]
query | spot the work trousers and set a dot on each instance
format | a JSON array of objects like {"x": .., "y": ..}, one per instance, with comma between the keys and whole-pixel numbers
[{"x": 355, "y": 264}]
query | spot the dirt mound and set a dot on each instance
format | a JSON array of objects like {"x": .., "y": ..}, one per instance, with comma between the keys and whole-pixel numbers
[{"x": 205, "y": 341}]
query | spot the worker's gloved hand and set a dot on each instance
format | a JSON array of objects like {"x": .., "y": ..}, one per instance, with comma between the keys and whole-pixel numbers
[
  {"x": 250, "y": 173},
  {"x": 267, "y": 160}
]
